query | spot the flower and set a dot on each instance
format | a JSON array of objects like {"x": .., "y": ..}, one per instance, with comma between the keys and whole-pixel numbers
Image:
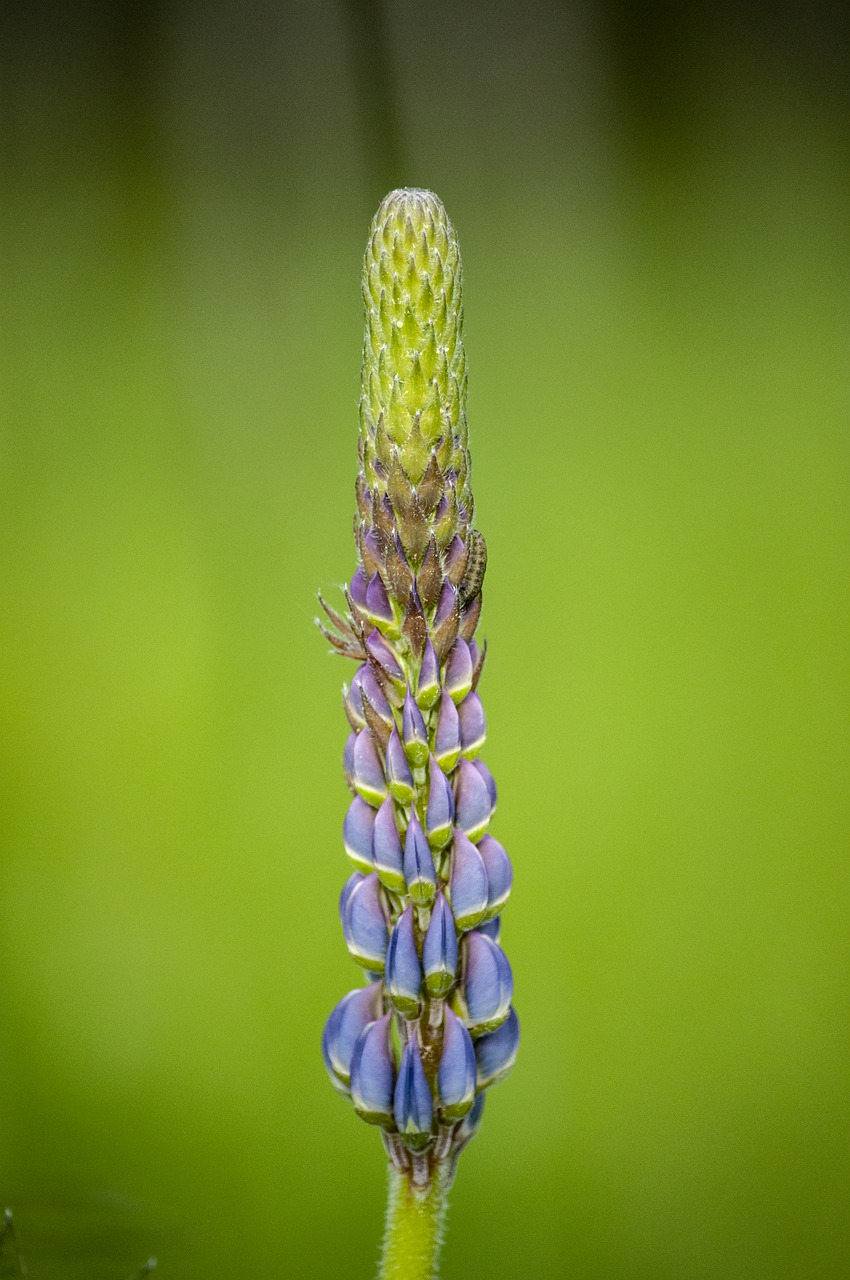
[{"x": 422, "y": 910}]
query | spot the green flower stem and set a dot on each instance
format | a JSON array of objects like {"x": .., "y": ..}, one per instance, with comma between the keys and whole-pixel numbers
[{"x": 414, "y": 1227}]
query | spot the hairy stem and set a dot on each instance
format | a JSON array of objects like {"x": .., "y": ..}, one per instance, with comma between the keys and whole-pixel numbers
[{"x": 414, "y": 1226}]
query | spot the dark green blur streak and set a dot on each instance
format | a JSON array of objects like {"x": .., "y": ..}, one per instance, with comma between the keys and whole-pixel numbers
[
  {"x": 377, "y": 96},
  {"x": 656, "y": 309}
]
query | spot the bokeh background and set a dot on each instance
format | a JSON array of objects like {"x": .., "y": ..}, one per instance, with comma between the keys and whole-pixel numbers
[{"x": 652, "y": 201}]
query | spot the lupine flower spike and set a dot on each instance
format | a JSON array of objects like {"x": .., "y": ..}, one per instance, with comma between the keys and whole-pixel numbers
[{"x": 433, "y": 1027}]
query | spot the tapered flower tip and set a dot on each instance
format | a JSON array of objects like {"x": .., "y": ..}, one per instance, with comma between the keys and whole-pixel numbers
[
  {"x": 364, "y": 925},
  {"x": 439, "y": 949},
  {"x": 412, "y": 296},
  {"x": 367, "y": 772},
  {"x": 473, "y": 725},
  {"x": 472, "y": 812},
  {"x": 351, "y": 1016},
  {"x": 378, "y": 605},
  {"x": 428, "y": 685},
  {"x": 387, "y": 851},
  {"x": 468, "y": 886},
  {"x": 346, "y": 891},
  {"x": 404, "y": 972},
  {"x": 413, "y": 382},
  {"x": 447, "y": 737},
  {"x": 500, "y": 874},
  {"x": 489, "y": 782},
  {"x": 414, "y": 1109},
  {"x": 488, "y": 985},
  {"x": 424, "y": 210},
  {"x": 419, "y": 872},
  {"x": 457, "y": 1072},
  {"x": 441, "y": 807},
  {"x": 373, "y": 1073},
  {"x": 399, "y": 777},
  {"x": 357, "y": 834},
  {"x": 359, "y": 584},
  {"x": 491, "y": 929},
  {"x": 457, "y": 678},
  {"x": 414, "y": 732},
  {"x": 496, "y": 1053},
  {"x": 385, "y": 656}
]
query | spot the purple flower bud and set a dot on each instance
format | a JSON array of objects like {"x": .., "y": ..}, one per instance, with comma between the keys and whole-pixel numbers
[
  {"x": 385, "y": 656},
  {"x": 377, "y": 601},
  {"x": 358, "y": 588},
  {"x": 500, "y": 874},
  {"x": 351, "y": 1016},
  {"x": 457, "y": 677},
  {"x": 456, "y": 1073},
  {"x": 447, "y": 738},
  {"x": 496, "y": 1053},
  {"x": 472, "y": 798},
  {"x": 489, "y": 782},
  {"x": 373, "y": 1073},
  {"x": 414, "y": 732},
  {"x": 399, "y": 777},
  {"x": 439, "y": 950},
  {"x": 491, "y": 929},
  {"x": 414, "y": 1110},
  {"x": 404, "y": 972},
  {"x": 353, "y": 700},
  {"x": 347, "y": 889},
  {"x": 387, "y": 852},
  {"x": 488, "y": 984},
  {"x": 418, "y": 864},
  {"x": 364, "y": 925},
  {"x": 467, "y": 883},
  {"x": 473, "y": 725},
  {"x": 348, "y": 759},
  {"x": 446, "y": 605},
  {"x": 357, "y": 834},
  {"x": 428, "y": 686},
  {"x": 370, "y": 689},
  {"x": 367, "y": 773},
  {"x": 441, "y": 807},
  {"x": 373, "y": 547}
]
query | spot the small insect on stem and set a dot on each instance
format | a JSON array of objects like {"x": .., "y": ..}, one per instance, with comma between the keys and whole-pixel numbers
[{"x": 476, "y": 567}]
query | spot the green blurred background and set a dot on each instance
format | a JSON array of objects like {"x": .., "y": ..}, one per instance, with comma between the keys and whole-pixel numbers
[{"x": 653, "y": 208}]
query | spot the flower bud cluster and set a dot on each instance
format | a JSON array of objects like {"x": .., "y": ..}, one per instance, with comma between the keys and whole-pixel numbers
[{"x": 434, "y": 1027}]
